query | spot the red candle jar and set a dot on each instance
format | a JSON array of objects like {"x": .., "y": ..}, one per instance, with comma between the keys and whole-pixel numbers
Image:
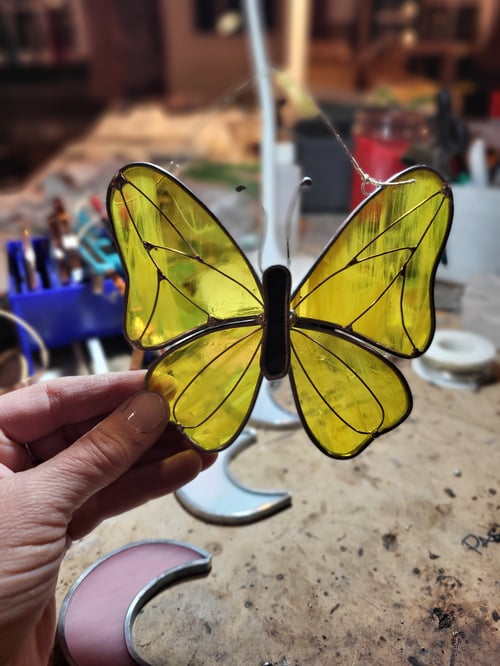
[{"x": 381, "y": 138}]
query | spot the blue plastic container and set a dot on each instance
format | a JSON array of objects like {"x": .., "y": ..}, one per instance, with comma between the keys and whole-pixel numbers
[{"x": 60, "y": 313}]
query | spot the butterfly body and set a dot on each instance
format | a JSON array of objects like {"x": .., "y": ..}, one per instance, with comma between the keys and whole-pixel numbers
[
  {"x": 275, "y": 355},
  {"x": 192, "y": 292}
]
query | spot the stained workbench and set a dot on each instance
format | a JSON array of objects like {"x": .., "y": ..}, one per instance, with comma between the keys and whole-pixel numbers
[{"x": 383, "y": 559}]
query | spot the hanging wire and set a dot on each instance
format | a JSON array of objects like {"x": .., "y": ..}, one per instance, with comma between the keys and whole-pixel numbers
[{"x": 303, "y": 98}]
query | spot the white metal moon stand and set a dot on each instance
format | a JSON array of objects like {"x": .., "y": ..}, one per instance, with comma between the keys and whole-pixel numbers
[
  {"x": 216, "y": 495},
  {"x": 267, "y": 412}
]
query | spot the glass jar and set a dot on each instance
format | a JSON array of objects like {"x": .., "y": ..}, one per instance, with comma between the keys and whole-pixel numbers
[{"x": 381, "y": 138}]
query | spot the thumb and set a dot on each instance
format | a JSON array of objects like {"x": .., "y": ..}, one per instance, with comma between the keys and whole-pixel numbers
[{"x": 106, "y": 451}]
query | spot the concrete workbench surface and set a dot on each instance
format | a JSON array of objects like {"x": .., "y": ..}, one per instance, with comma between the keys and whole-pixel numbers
[{"x": 383, "y": 559}]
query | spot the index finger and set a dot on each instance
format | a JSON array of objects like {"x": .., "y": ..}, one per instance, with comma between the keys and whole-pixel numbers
[{"x": 39, "y": 410}]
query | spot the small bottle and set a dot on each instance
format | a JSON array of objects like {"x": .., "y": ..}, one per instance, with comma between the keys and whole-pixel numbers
[{"x": 382, "y": 137}]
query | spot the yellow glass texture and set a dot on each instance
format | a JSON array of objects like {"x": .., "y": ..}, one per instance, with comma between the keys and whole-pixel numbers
[
  {"x": 207, "y": 275},
  {"x": 217, "y": 376},
  {"x": 347, "y": 395},
  {"x": 376, "y": 275}
]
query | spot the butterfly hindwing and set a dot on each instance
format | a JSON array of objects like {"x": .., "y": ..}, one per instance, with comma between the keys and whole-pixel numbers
[
  {"x": 186, "y": 269},
  {"x": 375, "y": 279},
  {"x": 217, "y": 376},
  {"x": 346, "y": 394}
]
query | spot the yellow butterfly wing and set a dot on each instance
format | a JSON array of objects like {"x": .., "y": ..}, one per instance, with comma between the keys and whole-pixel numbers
[
  {"x": 371, "y": 287},
  {"x": 375, "y": 279},
  {"x": 345, "y": 393},
  {"x": 217, "y": 376},
  {"x": 184, "y": 271}
]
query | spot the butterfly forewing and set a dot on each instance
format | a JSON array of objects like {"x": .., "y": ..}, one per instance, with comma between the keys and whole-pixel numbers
[
  {"x": 217, "y": 376},
  {"x": 345, "y": 393},
  {"x": 187, "y": 269},
  {"x": 375, "y": 279}
]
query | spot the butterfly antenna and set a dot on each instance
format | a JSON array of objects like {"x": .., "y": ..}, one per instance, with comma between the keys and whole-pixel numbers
[
  {"x": 292, "y": 206},
  {"x": 260, "y": 251}
]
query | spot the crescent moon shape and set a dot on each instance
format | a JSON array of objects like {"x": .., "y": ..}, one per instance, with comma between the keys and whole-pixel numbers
[
  {"x": 216, "y": 496},
  {"x": 97, "y": 614}
]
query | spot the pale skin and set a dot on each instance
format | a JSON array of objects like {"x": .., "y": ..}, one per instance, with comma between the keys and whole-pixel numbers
[{"x": 97, "y": 446}]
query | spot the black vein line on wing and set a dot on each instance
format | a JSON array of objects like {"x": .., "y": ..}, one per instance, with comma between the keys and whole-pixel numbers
[
  {"x": 341, "y": 270},
  {"x": 160, "y": 275},
  {"x": 400, "y": 274},
  {"x": 169, "y": 222},
  {"x": 200, "y": 260},
  {"x": 194, "y": 256},
  {"x": 233, "y": 389},
  {"x": 153, "y": 310},
  {"x": 346, "y": 365},
  {"x": 354, "y": 260},
  {"x": 401, "y": 299}
]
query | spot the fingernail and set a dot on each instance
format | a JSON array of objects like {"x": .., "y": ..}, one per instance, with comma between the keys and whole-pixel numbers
[{"x": 146, "y": 411}]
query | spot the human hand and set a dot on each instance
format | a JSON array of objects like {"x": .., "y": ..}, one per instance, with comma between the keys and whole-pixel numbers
[{"x": 73, "y": 452}]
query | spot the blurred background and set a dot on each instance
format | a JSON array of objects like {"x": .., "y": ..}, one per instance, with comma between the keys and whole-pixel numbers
[
  {"x": 86, "y": 86},
  {"x": 398, "y": 540},
  {"x": 64, "y": 62}
]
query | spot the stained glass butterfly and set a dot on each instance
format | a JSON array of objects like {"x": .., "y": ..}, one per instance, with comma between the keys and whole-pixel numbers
[{"x": 192, "y": 291}]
